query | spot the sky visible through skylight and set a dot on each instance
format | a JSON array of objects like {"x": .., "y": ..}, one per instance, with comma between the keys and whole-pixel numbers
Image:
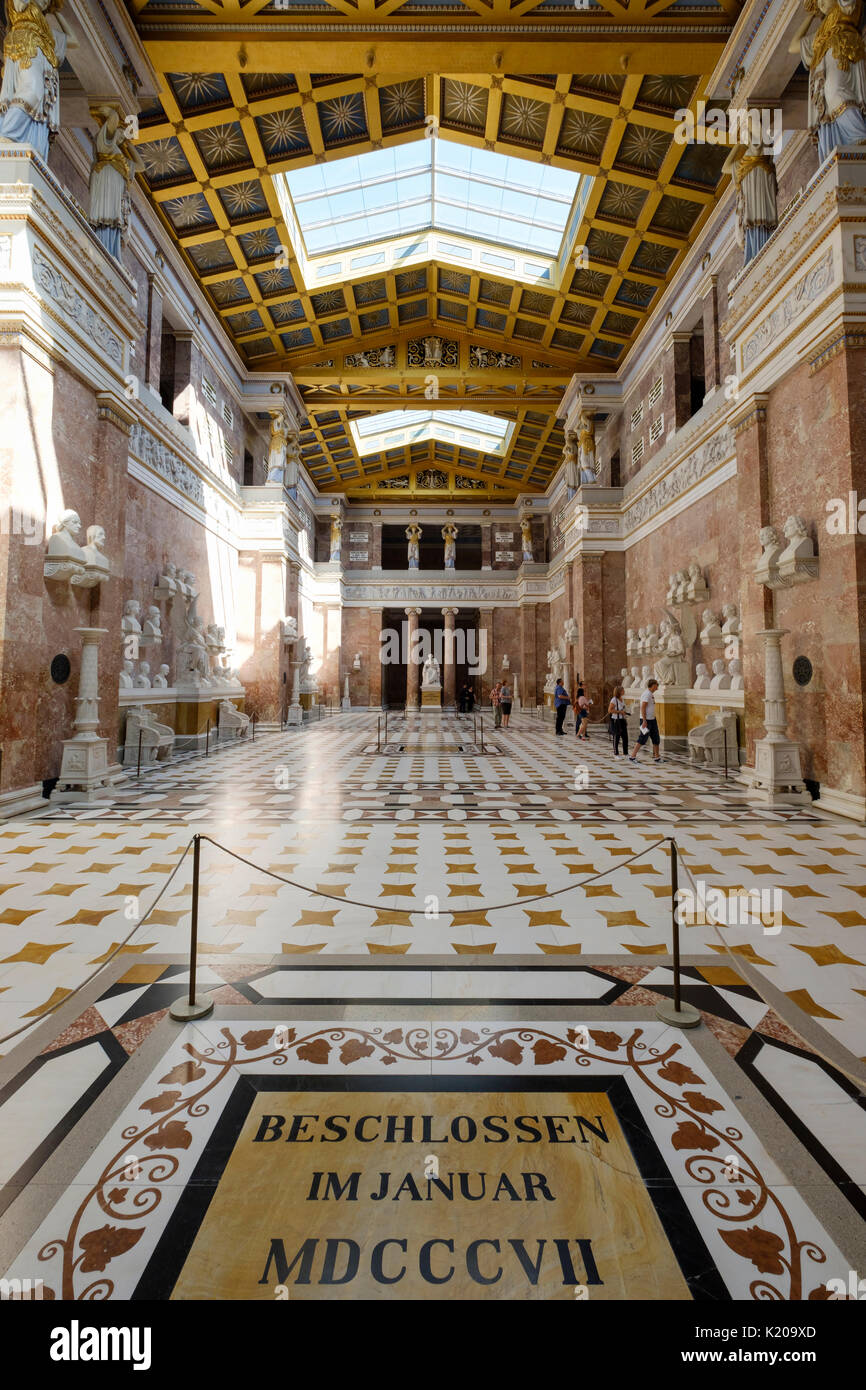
[
  {"x": 437, "y": 184},
  {"x": 485, "y": 433}
]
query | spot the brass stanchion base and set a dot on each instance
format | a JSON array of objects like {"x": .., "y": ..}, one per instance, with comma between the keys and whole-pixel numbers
[
  {"x": 686, "y": 1017},
  {"x": 183, "y": 1010}
]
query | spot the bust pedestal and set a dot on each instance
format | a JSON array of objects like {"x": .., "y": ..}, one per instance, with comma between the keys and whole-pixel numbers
[{"x": 431, "y": 697}]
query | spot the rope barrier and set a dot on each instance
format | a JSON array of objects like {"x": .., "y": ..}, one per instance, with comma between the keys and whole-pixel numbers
[{"x": 102, "y": 964}]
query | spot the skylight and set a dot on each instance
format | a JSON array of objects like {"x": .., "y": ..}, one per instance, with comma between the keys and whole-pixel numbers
[
  {"x": 428, "y": 184},
  {"x": 464, "y": 428}
]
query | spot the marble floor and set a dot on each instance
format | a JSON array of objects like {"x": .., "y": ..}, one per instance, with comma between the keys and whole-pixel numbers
[{"x": 482, "y": 905}]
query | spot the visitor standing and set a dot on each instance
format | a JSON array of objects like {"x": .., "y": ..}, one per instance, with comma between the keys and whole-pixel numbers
[
  {"x": 618, "y": 723},
  {"x": 561, "y": 702},
  {"x": 496, "y": 702},
  {"x": 461, "y": 703},
  {"x": 648, "y": 726},
  {"x": 470, "y": 698},
  {"x": 581, "y": 723},
  {"x": 505, "y": 700}
]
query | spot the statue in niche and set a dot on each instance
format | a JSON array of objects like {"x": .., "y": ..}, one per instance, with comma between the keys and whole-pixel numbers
[
  {"x": 277, "y": 449},
  {"x": 449, "y": 536},
  {"x": 142, "y": 680},
  {"x": 526, "y": 537},
  {"x": 33, "y": 50},
  {"x": 721, "y": 680},
  {"x": 570, "y": 631},
  {"x": 735, "y": 671},
  {"x": 702, "y": 677},
  {"x": 711, "y": 632},
  {"x": 65, "y": 558},
  {"x": 430, "y": 672},
  {"x": 161, "y": 680},
  {"x": 293, "y": 460},
  {"x": 586, "y": 447},
  {"x": 126, "y": 676},
  {"x": 413, "y": 536},
  {"x": 569, "y": 459},
  {"x": 757, "y": 212},
  {"x": 836, "y": 61},
  {"x": 336, "y": 532},
  {"x": 113, "y": 168}
]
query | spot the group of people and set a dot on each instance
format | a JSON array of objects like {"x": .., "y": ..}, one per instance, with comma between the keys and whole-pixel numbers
[
  {"x": 501, "y": 698},
  {"x": 617, "y": 719}
]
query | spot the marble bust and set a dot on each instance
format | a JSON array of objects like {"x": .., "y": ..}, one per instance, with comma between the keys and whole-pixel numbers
[
  {"x": 126, "y": 676},
  {"x": 702, "y": 679},
  {"x": 710, "y": 632},
  {"x": 798, "y": 562},
  {"x": 65, "y": 558},
  {"x": 152, "y": 630},
  {"x": 735, "y": 671},
  {"x": 131, "y": 610},
  {"x": 161, "y": 680},
  {"x": 696, "y": 585},
  {"x": 142, "y": 680},
  {"x": 731, "y": 625},
  {"x": 630, "y": 641},
  {"x": 721, "y": 680},
  {"x": 95, "y": 562},
  {"x": 767, "y": 569}
]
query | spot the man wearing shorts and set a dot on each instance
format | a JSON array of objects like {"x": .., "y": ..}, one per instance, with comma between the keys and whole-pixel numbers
[{"x": 648, "y": 724}]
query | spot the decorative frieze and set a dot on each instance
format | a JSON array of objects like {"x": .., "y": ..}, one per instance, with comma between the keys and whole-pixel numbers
[
  {"x": 73, "y": 306},
  {"x": 805, "y": 291},
  {"x": 685, "y": 475}
]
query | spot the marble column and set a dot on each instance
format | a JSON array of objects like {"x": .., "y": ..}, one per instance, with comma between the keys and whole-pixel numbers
[
  {"x": 777, "y": 777},
  {"x": 486, "y": 546},
  {"x": 374, "y": 647},
  {"x": 153, "y": 347},
  {"x": 485, "y": 653},
  {"x": 413, "y": 670},
  {"x": 749, "y": 424},
  {"x": 449, "y": 669}
]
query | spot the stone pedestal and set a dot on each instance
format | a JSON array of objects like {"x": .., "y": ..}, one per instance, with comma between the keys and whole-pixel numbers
[
  {"x": 776, "y": 779},
  {"x": 85, "y": 772},
  {"x": 431, "y": 697}
]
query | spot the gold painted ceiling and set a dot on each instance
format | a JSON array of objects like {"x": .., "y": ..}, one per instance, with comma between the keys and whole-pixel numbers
[{"x": 214, "y": 139}]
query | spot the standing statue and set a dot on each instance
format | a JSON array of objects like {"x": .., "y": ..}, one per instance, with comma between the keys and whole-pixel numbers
[
  {"x": 526, "y": 537},
  {"x": 836, "y": 59},
  {"x": 336, "y": 532},
  {"x": 569, "y": 459},
  {"x": 754, "y": 175},
  {"x": 292, "y": 472},
  {"x": 449, "y": 536},
  {"x": 413, "y": 536},
  {"x": 586, "y": 444},
  {"x": 277, "y": 449},
  {"x": 33, "y": 50},
  {"x": 115, "y": 163}
]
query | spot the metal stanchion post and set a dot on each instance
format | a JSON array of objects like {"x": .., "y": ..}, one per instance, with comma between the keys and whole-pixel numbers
[
  {"x": 207, "y": 741},
  {"x": 379, "y": 734},
  {"x": 675, "y": 1012},
  {"x": 481, "y": 726},
  {"x": 138, "y": 769},
  {"x": 254, "y": 728},
  {"x": 191, "y": 1007},
  {"x": 725, "y": 737}
]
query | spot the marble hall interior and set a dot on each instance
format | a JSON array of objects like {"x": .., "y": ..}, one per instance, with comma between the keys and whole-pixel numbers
[{"x": 432, "y": 586}]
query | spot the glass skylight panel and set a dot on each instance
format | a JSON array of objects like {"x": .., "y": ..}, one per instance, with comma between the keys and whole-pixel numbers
[
  {"x": 432, "y": 184},
  {"x": 491, "y": 435}
]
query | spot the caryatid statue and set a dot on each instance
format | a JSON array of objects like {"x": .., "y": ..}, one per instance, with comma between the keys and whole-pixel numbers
[
  {"x": 33, "y": 50},
  {"x": 526, "y": 536},
  {"x": 413, "y": 536},
  {"x": 586, "y": 446},
  {"x": 754, "y": 176},
  {"x": 835, "y": 56},
  {"x": 449, "y": 536},
  {"x": 569, "y": 460},
  {"x": 277, "y": 449},
  {"x": 336, "y": 533},
  {"x": 113, "y": 167}
]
